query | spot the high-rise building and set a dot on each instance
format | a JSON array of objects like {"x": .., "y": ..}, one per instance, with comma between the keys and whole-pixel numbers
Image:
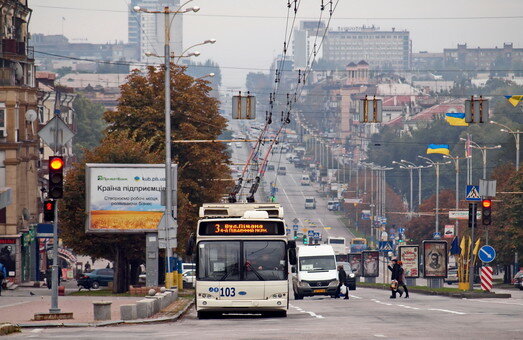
[
  {"x": 387, "y": 50},
  {"x": 305, "y": 37},
  {"x": 146, "y": 30}
]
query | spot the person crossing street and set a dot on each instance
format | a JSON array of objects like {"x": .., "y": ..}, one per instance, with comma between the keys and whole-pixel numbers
[{"x": 342, "y": 278}]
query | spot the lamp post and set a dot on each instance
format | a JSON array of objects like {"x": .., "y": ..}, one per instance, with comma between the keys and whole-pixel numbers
[
  {"x": 208, "y": 41},
  {"x": 209, "y": 75},
  {"x": 516, "y": 134},
  {"x": 483, "y": 150},
  {"x": 192, "y": 54},
  {"x": 168, "y": 218},
  {"x": 456, "y": 166},
  {"x": 410, "y": 168}
]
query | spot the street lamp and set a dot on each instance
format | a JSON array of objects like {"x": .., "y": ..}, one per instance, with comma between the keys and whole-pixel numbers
[
  {"x": 208, "y": 41},
  {"x": 209, "y": 75},
  {"x": 168, "y": 219},
  {"x": 514, "y": 134},
  {"x": 410, "y": 168},
  {"x": 192, "y": 54},
  {"x": 456, "y": 166}
]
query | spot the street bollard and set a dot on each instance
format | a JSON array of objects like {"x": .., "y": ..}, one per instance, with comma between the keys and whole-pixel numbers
[
  {"x": 128, "y": 312},
  {"x": 102, "y": 310}
]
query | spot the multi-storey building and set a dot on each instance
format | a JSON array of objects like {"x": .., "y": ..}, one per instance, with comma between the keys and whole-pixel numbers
[
  {"x": 305, "y": 37},
  {"x": 483, "y": 58},
  {"x": 385, "y": 50},
  {"x": 18, "y": 143},
  {"x": 147, "y": 30}
]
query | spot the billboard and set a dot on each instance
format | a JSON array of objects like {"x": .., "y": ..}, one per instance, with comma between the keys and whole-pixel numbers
[
  {"x": 355, "y": 263},
  {"x": 8, "y": 255},
  {"x": 371, "y": 259},
  {"x": 125, "y": 197},
  {"x": 435, "y": 258},
  {"x": 409, "y": 255}
]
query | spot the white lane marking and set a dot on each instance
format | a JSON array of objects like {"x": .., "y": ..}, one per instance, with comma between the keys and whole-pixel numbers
[
  {"x": 500, "y": 302},
  {"x": 379, "y": 335},
  {"x": 446, "y": 311},
  {"x": 356, "y": 297},
  {"x": 310, "y": 313},
  {"x": 37, "y": 330},
  {"x": 15, "y": 304},
  {"x": 409, "y": 307}
]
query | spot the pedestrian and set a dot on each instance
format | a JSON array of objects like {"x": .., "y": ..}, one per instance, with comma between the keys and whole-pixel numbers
[
  {"x": 87, "y": 267},
  {"x": 3, "y": 275},
  {"x": 395, "y": 278},
  {"x": 342, "y": 278},
  {"x": 401, "y": 280}
]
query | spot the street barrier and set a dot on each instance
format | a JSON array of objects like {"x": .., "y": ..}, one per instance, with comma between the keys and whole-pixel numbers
[
  {"x": 102, "y": 310},
  {"x": 128, "y": 312}
]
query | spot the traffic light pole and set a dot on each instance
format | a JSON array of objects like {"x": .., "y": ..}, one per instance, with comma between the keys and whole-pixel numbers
[
  {"x": 54, "y": 281},
  {"x": 471, "y": 260}
]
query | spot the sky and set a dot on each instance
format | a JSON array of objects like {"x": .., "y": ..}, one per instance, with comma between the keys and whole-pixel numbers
[{"x": 250, "y": 33}]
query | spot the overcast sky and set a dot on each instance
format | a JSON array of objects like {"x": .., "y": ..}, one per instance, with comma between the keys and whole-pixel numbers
[{"x": 247, "y": 41}]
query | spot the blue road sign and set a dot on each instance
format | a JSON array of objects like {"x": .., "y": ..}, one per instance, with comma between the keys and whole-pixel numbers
[
  {"x": 385, "y": 246},
  {"x": 436, "y": 236},
  {"x": 316, "y": 235},
  {"x": 310, "y": 233},
  {"x": 401, "y": 230},
  {"x": 294, "y": 227},
  {"x": 473, "y": 193},
  {"x": 487, "y": 254}
]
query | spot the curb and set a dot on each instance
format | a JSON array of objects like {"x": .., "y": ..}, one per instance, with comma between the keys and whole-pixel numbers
[
  {"x": 457, "y": 295},
  {"x": 105, "y": 323},
  {"x": 7, "y": 328}
]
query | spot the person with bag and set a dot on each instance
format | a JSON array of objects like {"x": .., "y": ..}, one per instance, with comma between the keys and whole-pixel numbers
[
  {"x": 401, "y": 281},
  {"x": 342, "y": 278},
  {"x": 395, "y": 278},
  {"x": 3, "y": 275}
]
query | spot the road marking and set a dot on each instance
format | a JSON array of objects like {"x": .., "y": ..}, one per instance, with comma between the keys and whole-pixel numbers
[
  {"x": 379, "y": 336},
  {"x": 310, "y": 313},
  {"x": 500, "y": 302},
  {"x": 37, "y": 330},
  {"x": 356, "y": 297},
  {"x": 447, "y": 311},
  {"x": 15, "y": 304}
]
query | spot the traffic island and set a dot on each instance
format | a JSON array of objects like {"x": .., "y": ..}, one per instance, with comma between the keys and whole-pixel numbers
[
  {"x": 450, "y": 292},
  {"x": 52, "y": 316},
  {"x": 7, "y": 328}
]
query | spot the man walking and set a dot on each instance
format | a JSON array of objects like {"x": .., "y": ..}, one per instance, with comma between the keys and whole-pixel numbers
[
  {"x": 396, "y": 274},
  {"x": 342, "y": 278},
  {"x": 3, "y": 275},
  {"x": 401, "y": 280}
]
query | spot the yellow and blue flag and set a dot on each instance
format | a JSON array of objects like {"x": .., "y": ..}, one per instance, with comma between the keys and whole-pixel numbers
[
  {"x": 438, "y": 148},
  {"x": 514, "y": 100},
  {"x": 456, "y": 119}
]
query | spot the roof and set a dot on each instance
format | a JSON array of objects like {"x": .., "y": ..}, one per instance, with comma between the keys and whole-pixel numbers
[
  {"x": 82, "y": 80},
  {"x": 45, "y": 75},
  {"x": 363, "y": 63},
  {"x": 351, "y": 64},
  {"x": 398, "y": 100},
  {"x": 394, "y": 89},
  {"x": 455, "y": 105}
]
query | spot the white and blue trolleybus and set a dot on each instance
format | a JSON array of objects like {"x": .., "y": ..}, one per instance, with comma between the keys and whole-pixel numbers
[{"x": 242, "y": 260}]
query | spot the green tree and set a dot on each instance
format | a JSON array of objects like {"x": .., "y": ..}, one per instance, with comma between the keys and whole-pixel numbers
[{"x": 89, "y": 124}]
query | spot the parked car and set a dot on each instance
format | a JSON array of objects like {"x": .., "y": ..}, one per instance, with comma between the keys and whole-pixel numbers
[
  {"x": 452, "y": 276},
  {"x": 96, "y": 278},
  {"x": 189, "y": 276},
  {"x": 282, "y": 170},
  {"x": 518, "y": 280},
  {"x": 270, "y": 167}
]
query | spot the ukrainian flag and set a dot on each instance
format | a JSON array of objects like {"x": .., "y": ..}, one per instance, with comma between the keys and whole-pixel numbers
[
  {"x": 438, "y": 148},
  {"x": 514, "y": 100},
  {"x": 456, "y": 119}
]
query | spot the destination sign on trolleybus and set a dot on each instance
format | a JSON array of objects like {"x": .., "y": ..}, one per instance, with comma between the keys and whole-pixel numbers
[{"x": 210, "y": 228}]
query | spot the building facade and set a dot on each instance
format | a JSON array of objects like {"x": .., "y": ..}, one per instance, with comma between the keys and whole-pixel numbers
[
  {"x": 483, "y": 58},
  {"x": 19, "y": 149},
  {"x": 147, "y": 30},
  {"x": 385, "y": 50},
  {"x": 304, "y": 38}
]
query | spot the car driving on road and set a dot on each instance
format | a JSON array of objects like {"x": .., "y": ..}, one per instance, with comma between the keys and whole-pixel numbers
[{"x": 96, "y": 278}]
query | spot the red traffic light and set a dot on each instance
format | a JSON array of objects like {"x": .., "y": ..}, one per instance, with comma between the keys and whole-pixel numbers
[
  {"x": 486, "y": 203},
  {"x": 56, "y": 163},
  {"x": 48, "y": 206}
]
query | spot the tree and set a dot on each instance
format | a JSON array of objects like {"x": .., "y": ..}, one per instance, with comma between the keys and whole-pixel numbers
[
  {"x": 203, "y": 172},
  {"x": 122, "y": 249},
  {"x": 89, "y": 125}
]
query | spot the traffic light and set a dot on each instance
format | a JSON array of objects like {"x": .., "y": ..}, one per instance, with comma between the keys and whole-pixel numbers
[
  {"x": 49, "y": 211},
  {"x": 486, "y": 212},
  {"x": 56, "y": 177},
  {"x": 473, "y": 208},
  {"x": 305, "y": 241}
]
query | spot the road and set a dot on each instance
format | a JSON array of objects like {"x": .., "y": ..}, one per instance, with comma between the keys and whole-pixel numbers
[{"x": 369, "y": 314}]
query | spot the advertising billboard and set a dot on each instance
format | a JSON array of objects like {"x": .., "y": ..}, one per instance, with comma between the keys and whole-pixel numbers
[
  {"x": 355, "y": 263},
  {"x": 435, "y": 258},
  {"x": 125, "y": 197},
  {"x": 409, "y": 255},
  {"x": 8, "y": 255},
  {"x": 371, "y": 259}
]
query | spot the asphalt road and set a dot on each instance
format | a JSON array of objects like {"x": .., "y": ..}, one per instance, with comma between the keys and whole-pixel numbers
[{"x": 369, "y": 314}]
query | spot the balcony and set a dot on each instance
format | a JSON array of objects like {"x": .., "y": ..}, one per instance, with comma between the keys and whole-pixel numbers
[{"x": 15, "y": 50}]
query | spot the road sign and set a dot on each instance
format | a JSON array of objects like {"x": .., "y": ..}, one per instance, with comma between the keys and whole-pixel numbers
[
  {"x": 449, "y": 231},
  {"x": 473, "y": 193},
  {"x": 295, "y": 227},
  {"x": 310, "y": 233},
  {"x": 487, "y": 254},
  {"x": 487, "y": 188},
  {"x": 295, "y": 221},
  {"x": 316, "y": 235},
  {"x": 385, "y": 246},
  {"x": 461, "y": 214},
  {"x": 401, "y": 230},
  {"x": 486, "y": 278},
  {"x": 56, "y": 128},
  {"x": 436, "y": 236}
]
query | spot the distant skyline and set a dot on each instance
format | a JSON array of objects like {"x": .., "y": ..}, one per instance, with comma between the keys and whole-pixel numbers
[{"x": 250, "y": 33}]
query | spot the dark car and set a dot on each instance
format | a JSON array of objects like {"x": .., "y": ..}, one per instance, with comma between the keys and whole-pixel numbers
[
  {"x": 518, "y": 280},
  {"x": 270, "y": 167},
  {"x": 96, "y": 278}
]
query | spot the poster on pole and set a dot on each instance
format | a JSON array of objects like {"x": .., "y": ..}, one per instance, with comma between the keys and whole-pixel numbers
[
  {"x": 354, "y": 260},
  {"x": 435, "y": 259},
  {"x": 125, "y": 198},
  {"x": 370, "y": 259},
  {"x": 409, "y": 255}
]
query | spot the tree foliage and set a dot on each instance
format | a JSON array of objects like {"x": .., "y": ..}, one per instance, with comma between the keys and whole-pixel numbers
[
  {"x": 89, "y": 125},
  {"x": 203, "y": 173}
]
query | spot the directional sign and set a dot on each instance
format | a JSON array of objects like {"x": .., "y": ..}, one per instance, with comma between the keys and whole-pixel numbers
[
  {"x": 487, "y": 254},
  {"x": 295, "y": 227},
  {"x": 56, "y": 133},
  {"x": 310, "y": 233},
  {"x": 473, "y": 193}
]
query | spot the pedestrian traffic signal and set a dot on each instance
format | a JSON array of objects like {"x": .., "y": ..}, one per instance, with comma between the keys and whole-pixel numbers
[
  {"x": 49, "y": 211},
  {"x": 56, "y": 177},
  {"x": 305, "y": 240},
  {"x": 486, "y": 212}
]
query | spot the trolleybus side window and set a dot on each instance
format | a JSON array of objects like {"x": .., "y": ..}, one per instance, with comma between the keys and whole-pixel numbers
[
  {"x": 264, "y": 260},
  {"x": 219, "y": 261}
]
